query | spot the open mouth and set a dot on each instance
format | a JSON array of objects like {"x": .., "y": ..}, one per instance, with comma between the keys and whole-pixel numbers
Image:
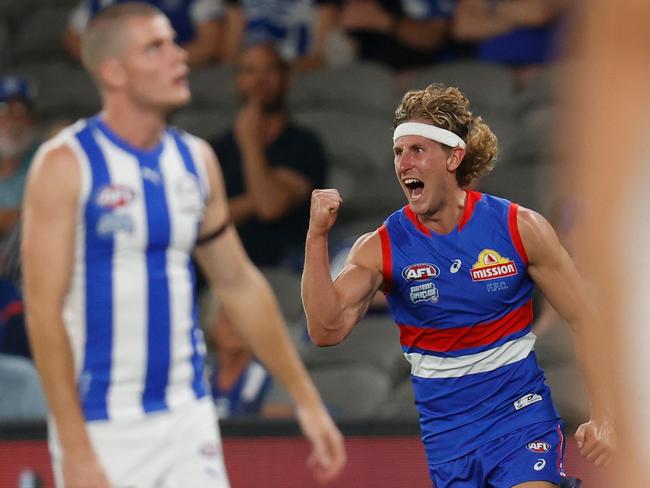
[
  {"x": 181, "y": 80},
  {"x": 415, "y": 187}
]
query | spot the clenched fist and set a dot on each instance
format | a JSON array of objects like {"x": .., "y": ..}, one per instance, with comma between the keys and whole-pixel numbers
[{"x": 325, "y": 206}]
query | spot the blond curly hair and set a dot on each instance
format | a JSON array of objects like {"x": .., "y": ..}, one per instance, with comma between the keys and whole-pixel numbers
[{"x": 446, "y": 107}]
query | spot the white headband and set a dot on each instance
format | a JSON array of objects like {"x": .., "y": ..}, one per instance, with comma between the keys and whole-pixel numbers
[{"x": 443, "y": 136}]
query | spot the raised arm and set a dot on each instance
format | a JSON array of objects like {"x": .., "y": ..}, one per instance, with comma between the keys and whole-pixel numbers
[
  {"x": 334, "y": 308},
  {"x": 50, "y": 211},
  {"x": 556, "y": 275},
  {"x": 271, "y": 191},
  {"x": 250, "y": 304},
  {"x": 476, "y": 20},
  {"x": 204, "y": 48}
]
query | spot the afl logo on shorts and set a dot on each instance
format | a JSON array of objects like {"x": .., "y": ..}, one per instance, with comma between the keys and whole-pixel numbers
[
  {"x": 112, "y": 197},
  {"x": 538, "y": 446},
  {"x": 417, "y": 272}
]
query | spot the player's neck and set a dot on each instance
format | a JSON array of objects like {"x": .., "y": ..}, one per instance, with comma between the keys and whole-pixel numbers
[
  {"x": 139, "y": 127},
  {"x": 447, "y": 214}
]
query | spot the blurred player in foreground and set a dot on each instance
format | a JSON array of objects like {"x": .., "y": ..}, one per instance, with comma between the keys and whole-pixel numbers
[
  {"x": 458, "y": 268},
  {"x": 607, "y": 125},
  {"x": 115, "y": 206}
]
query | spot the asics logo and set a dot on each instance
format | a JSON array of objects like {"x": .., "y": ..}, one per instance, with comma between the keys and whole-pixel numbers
[{"x": 539, "y": 465}]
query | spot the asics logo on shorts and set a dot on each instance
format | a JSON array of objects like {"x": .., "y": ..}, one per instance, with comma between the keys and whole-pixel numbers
[{"x": 539, "y": 465}]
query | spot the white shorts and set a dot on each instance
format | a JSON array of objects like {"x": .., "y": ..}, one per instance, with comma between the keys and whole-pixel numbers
[{"x": 180, "y": 448}]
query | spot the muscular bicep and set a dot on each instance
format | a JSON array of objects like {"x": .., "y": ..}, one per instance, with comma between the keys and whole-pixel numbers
[
  {"x": 361, "y": 277},
  {"x": 552, "y": 269},
  {"x": 49, "y": 226}
]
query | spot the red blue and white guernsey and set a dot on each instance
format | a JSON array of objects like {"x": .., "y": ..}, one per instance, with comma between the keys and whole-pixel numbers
[{"x": 462, "y": 302}]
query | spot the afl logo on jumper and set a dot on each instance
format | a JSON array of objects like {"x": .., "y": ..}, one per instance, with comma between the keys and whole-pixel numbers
[
  {"x": 417, "y": 272},
  {"x": 490, "y": 266}
]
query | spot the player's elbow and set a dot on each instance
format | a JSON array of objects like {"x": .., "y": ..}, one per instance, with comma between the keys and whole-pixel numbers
[
  {"x": 323, "y": 336},
  {"x": 321, "y": 340}
]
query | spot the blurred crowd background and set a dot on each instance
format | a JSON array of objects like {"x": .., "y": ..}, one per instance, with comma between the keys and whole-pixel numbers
[{"x": 309, "y": 86}]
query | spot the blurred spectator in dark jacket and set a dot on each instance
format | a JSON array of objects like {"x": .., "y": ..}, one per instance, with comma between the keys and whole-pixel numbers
[
  {"x": 18, "y": 136},
  {"x": 399, "y": 33},
  {"x": 198, "y": 24},
  {"x": 299, "y": 29},
  {"x": 270, "y": 164},
  {"x": 516, "y": 33}
]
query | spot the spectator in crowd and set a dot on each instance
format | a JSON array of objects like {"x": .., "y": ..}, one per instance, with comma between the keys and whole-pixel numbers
[
  {"x": 516, "y": 33},
  {"x": 198, "y": 24},
  {"x": 240, "y": 384},
  {"x": 21, "y": 395},
  {"x": 401, "y": 34},
  {"x": 13, "y": 336},
  {"x": 270, "y": 165},
  {"x": 299, "y": 29},
  {"x": 18, "y": 137}
]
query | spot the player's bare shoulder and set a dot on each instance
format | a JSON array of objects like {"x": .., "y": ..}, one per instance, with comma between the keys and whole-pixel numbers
[
  {"x": 211, "y": 167},
  {"x": 56, "y": 168},
  {"x": 537, "y": 234},
  {"x": 366, "y": 251}
]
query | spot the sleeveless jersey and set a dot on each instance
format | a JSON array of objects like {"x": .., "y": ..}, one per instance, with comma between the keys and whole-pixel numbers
[
  {"x": 462, "y": 302},
  {"x": 246, "y": 396},
  {"x": 130, "y": 311}
]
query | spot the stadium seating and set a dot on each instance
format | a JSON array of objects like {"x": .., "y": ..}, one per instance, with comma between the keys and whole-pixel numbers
[
  {"x": 373, "y": 341},
  {"x": 400, "y": 403},
  {"x": 213, "y": 87},
  {"x": 58, "y": 99},
  {"x": 363, "y": 88},
  {"x": 5, "y": 46},
  {"x": 286, "y": 286},
  {"x": 207, "y": 123},
  {"x": 352, "y": 392},
  {"x": 50, "y": 23}
]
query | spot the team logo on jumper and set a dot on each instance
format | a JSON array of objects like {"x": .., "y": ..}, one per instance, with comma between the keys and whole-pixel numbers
[
  {"x": 426, "y": 292},
  {"x": 538, "y": 447},
  {"x": 490, "y": 265},
  {"x": 189, "y": 194},
  {"x": 115, "y": 196},
  {"x": 417, "y": 272}
]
